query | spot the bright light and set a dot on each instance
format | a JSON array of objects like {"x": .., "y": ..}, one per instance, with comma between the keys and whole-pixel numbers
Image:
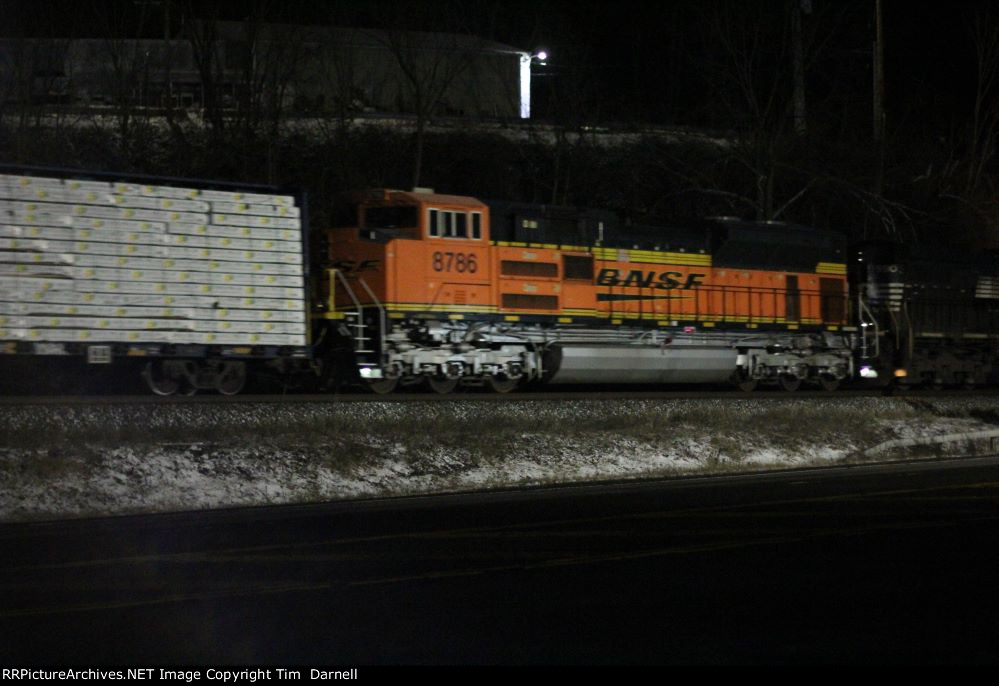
[
  {"x": 868, "y": 373},
  {"x": 542, "y": 56},
  {"x": 525, "y": 85}
]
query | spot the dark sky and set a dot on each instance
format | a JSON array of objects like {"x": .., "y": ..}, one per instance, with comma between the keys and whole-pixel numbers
[{"x": 643, "y": 57}]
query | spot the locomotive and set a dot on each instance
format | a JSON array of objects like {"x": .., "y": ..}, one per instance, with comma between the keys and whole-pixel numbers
[
  {"x": 930, "y": 315},
  {"x": 445, "y": 291},
  {"x": 200, "y": 285}
]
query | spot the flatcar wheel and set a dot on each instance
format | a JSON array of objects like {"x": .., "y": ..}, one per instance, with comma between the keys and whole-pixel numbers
[
  {"x": 788, "y": 382},
  {"x": 158, "y": 380},
  {"x": 828, "y": 382},
  {"x": 383, "y": 386},
  {"x": 501, "y": 385},
  {"x": 441, "y": 385},
  {"x": 232, "y": 379}
]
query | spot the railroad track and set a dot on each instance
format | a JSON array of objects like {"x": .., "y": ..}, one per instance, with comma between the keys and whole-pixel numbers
[{"x": 475, "y": 396}]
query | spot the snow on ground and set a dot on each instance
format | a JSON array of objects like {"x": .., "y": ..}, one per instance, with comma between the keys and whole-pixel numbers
[{"x": 94, "y": 459}]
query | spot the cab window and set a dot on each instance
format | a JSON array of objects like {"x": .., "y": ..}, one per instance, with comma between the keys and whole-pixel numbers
[
  {"x": 396, "y": 217},
  {"x": 454, "y": 224}
]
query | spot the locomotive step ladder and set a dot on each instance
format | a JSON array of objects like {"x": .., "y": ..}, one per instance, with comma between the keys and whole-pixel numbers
[
  {"x": 869, "y": 331},
  {"x": 357, "y": 321}
]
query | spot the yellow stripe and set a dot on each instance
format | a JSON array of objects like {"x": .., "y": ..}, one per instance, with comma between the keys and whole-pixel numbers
[
  {"x": 652, "y": 256},
  {"x": 417, "y": 307},
  {"x": 830, "y": 268}
]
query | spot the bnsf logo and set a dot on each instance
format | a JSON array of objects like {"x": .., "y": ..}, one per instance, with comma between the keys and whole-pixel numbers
[{"x": 638, "y": 278}]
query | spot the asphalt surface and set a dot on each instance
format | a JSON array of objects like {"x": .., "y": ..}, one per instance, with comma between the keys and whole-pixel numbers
[{"x": 893, "y": 563}]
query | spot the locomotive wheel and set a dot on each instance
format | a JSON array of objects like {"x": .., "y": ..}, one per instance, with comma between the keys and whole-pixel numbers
[
  {"x": 747, "y": 385},
  {"x": 383, "y": 386},
  {"x": 828, "y": 382},
  {"x": 232, "y": 379},
  {"x": 442, "y": 385},
  {"x": 501, "y": 385},
  {"x": 788, "y": 382},
  {"x": 741, "y": 381},
  {"x": 158, "y": 380}
]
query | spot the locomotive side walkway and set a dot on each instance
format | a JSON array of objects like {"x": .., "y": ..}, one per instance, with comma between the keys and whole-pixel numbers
[{"x": 109, "y": 458}]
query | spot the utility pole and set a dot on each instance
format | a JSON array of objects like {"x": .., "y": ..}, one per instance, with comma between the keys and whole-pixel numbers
[
  {"x": 879, "y": 97},
  {"x": 799, "y": 7}
]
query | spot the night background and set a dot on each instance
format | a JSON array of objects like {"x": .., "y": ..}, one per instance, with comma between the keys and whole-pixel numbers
[{"x": 659, "y": 111}]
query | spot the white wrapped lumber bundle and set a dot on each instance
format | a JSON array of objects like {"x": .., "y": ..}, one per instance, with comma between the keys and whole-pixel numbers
[{"x": 108, "y": 262}]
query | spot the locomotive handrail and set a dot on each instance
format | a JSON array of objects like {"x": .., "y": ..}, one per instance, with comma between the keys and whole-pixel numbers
[{"x": 359, "y": 326}]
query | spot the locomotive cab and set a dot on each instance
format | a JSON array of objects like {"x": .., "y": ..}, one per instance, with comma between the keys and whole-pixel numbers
[{"x": 400, "y": 250}]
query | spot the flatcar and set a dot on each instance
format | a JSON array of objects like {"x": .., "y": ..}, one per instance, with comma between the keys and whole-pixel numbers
[{"x": 196, "y": 285}]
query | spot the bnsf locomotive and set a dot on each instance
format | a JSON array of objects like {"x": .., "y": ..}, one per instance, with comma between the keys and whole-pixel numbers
[
  {"x": 202, "y": 285},
  {"x": 446, "y": 291}
]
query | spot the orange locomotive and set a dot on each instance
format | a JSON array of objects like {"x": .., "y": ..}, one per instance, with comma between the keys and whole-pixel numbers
[{"x": 447, "y": 290}]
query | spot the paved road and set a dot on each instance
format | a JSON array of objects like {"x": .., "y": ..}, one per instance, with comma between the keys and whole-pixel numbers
[{"x": 884, "y": 564}]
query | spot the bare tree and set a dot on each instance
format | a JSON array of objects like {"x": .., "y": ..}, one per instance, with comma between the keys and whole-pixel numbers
[
  {"x": 429, "y": 64},
  {"x": 984, "y": 125}
]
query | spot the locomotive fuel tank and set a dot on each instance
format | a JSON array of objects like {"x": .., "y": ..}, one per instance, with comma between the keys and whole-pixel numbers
[{"x": 673, "y": 361}]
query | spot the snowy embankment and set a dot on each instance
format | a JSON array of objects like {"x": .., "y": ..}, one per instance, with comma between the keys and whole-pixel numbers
[{"x": 80, "y": 460}]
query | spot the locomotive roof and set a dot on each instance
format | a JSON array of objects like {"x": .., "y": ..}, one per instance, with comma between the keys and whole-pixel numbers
[{"x": 423, "y": 195}]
